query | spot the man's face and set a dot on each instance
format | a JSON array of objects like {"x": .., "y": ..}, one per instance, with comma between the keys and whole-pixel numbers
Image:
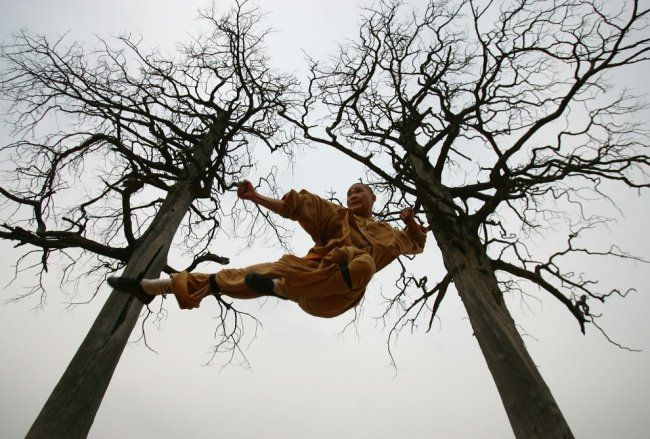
[{"x": 360, "y": 200}]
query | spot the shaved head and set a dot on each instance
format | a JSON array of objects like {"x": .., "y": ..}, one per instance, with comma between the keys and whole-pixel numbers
[{"x": 359, "y": 183}]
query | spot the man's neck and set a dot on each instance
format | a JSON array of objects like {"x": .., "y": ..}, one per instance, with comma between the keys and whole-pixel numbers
[{"x": 364, "y": 215}]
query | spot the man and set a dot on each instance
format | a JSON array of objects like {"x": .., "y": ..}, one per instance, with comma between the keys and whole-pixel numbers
[{"x": 350, "y": 247}]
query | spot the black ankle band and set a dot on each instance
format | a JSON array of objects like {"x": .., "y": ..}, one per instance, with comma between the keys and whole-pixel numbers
[
  {"x": 214, "y": 287},
  {"x": 345, "y": 271}
]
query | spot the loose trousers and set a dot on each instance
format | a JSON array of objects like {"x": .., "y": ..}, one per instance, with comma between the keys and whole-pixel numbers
[{"x": 317, "y": 286}]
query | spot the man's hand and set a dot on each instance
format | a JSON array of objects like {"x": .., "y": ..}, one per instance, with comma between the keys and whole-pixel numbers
[
  {"x": 246, "y": 191},
  {"x": 408, "y": 217}
]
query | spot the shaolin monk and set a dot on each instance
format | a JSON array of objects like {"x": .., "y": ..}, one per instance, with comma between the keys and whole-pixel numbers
[{"x": 350, "y": 247}]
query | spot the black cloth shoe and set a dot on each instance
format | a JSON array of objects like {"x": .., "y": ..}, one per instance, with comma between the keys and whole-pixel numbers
[
  {"x": 259, "y": 283},
  {"x": 130, "y": 285}
]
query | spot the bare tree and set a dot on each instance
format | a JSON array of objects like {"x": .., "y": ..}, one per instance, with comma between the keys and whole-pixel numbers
[
  {"x": 118, "y": 149},
  {"x": 493, "y": 118}
]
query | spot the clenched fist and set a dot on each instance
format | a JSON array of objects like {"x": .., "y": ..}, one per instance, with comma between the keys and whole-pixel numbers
[
  {"x": 246, "y": 191},
  {"x": 408, "y": 217}
]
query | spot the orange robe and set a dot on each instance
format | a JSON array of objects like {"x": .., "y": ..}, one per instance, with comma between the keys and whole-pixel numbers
[{"x": 315, "y": 281}]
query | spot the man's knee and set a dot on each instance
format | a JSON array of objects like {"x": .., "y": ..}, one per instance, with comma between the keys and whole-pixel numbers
[{"x": 362, "y": 269}]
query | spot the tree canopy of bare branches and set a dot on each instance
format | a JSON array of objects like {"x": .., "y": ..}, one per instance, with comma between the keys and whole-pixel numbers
[
  {"x": 499, "y": 121},
  {"x": 134, "y": 125},
  {"x": 118, "y": 148}
]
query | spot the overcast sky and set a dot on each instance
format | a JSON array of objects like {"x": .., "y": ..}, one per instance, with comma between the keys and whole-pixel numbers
[{"x": 308, "y": 380}]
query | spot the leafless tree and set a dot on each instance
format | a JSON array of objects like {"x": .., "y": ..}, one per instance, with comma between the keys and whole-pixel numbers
[
  {"x": 116, "y": 150},
  {"x": 498, "y": 120}
]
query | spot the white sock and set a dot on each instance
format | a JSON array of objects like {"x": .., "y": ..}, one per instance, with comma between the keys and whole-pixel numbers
[{"x": 157, "y": 286}]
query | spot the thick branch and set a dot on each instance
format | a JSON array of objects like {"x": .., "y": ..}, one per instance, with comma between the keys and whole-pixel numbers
[{"x": 537, "y": 279}]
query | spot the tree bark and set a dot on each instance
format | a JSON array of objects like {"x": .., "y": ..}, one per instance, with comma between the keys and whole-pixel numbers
[
  {"x": 70, "y": 410},
  {"x": 529, "y": 404}
]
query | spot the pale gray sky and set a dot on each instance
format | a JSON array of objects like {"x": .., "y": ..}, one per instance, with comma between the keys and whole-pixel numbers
[{"x": 306, "y": 379}]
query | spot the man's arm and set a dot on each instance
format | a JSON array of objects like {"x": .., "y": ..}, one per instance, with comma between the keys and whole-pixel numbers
[
  {"x": 311, "y": 211},
  {"x": 246, "y": 191}
]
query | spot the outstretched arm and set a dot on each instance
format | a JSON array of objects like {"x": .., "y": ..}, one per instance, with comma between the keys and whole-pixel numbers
[{"x": 246, "y": 191}]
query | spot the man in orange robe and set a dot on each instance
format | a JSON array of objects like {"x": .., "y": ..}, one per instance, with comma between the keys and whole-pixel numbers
[{"x": 350, "y": 247}]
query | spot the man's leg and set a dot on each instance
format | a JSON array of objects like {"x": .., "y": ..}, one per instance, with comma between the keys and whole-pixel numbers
[
  {"x": 321, "y": 289},
  {"x": 191, "y": 288},
  {"x": 355, "y": 274},
  {"x": 309, "y": 279},
  {"x": 327, "y": 288}
]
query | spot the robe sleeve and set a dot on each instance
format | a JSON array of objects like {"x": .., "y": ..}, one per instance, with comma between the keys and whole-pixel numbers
[
  {"x": 311, "y": 211},
  {"x": 410, "y": 241}
]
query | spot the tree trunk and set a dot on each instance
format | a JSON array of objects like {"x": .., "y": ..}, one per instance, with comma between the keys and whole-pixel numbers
[
  {"x": 529, "y": 404},
  {"x": 71, "y": 408},
  {"x": 531, "y": 408}
]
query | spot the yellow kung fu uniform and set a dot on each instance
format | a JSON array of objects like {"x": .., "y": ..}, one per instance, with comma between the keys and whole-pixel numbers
[{"x": 315, "y": 281}]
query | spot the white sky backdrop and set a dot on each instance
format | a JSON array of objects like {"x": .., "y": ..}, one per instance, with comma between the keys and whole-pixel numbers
[{"x": 306, "y": 379}]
